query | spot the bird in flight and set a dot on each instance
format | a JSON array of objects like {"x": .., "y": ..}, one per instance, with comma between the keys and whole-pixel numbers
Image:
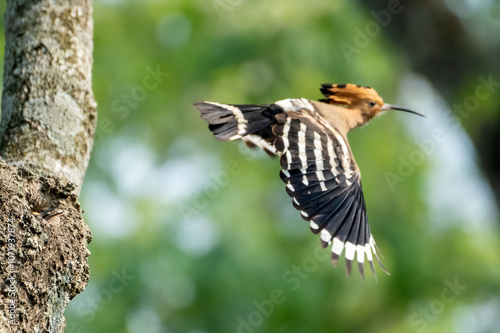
[{"x": 317, "y": 164}]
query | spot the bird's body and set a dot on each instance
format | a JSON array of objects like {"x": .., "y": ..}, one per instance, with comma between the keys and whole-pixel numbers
[{"x": 317, "y": 164}]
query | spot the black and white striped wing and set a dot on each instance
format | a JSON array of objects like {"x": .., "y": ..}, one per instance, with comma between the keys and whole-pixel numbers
[{"x": 324, "y": 182}]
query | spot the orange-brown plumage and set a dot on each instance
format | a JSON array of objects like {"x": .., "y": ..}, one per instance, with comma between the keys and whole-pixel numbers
[{"x": 349, "y": 94}]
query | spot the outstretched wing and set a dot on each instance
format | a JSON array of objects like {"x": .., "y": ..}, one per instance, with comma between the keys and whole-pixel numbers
[{"x": 324, "y": 182}]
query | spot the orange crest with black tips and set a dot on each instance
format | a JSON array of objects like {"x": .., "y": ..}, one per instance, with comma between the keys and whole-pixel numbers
[{"x": 348, "y": 94}]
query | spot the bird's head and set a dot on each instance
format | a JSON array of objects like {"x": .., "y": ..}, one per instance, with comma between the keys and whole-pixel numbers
[{"x": 364, "y": 100}]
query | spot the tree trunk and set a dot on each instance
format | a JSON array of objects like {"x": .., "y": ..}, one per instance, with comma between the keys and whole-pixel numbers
[{"x": 46, "y": 136}]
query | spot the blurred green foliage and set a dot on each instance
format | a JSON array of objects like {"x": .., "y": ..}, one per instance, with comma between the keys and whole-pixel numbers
[{"x": 193, "y": 235}]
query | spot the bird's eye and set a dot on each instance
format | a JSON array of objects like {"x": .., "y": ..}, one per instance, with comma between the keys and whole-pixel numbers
[{"x": 372, "y": 103}]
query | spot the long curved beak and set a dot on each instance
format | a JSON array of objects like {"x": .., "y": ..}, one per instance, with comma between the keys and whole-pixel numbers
[{"x": 395, "y": 107}]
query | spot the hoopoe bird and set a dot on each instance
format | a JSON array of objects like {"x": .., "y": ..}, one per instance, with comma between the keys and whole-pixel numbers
[{"x": 318, "y": 166}]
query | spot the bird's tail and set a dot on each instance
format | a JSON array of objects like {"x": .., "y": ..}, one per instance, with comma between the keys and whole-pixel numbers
[
  {"x": 231, "y": 122},
  {"x": 252, "y": 123}
]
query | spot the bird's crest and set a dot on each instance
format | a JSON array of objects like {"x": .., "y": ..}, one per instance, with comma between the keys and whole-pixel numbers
[{"x": 348, "y": 94}]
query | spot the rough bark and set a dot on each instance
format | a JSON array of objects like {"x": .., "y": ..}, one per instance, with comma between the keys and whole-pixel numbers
[
  {"x": 46, "y": 136},
  {"x": 43, "y": 250}
]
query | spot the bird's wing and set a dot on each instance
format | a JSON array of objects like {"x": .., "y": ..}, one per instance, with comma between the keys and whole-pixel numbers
[{"x": 324, "y": 182}]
